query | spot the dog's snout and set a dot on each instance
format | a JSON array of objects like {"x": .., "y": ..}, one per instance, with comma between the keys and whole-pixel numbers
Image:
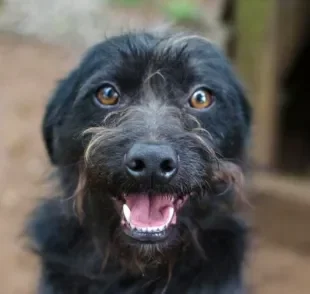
[{"x": 146, "y": 161}]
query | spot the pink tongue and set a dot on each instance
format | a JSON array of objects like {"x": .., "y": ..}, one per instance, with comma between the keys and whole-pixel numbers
[{"x": 148, "y": 211}]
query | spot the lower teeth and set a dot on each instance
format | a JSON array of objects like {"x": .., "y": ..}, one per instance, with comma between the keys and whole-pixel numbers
[{"x": 148, "y": 230}]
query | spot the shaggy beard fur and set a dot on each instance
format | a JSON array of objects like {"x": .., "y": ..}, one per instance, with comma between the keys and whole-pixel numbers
[
  {"x": 225, "y": 178},
  {"x": 138, "y": 258}
]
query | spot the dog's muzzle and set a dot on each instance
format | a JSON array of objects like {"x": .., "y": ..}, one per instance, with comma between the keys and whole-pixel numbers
[{"x": 149, "y": 216}]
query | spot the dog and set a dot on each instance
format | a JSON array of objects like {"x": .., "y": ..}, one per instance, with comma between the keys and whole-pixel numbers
[{"x": 148, "y": 135}]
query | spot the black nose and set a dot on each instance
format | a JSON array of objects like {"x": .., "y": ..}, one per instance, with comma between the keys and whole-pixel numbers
[{"x": 155, "y": 162}]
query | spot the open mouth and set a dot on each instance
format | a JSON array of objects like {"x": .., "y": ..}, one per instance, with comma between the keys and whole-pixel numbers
[{"x": 150, "y": 218}]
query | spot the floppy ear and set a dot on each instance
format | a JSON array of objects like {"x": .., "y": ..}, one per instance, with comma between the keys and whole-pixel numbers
[{"x": 58, "y": 106}]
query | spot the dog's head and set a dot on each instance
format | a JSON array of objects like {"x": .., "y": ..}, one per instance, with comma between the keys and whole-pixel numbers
[{"x": 150, "y": 130}]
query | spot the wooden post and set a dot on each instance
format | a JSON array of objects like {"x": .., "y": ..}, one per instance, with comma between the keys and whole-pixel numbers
[
  {"x": 269, "y": 35},
  {"x": 266, "y": 105},
  {"x": 257, "y": 64}
]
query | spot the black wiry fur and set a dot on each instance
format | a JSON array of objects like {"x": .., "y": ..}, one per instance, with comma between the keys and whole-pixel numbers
[{"x": 77, "y": 234}]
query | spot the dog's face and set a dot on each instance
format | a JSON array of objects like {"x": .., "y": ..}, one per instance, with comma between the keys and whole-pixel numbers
[{"x": 149, "y": 124}]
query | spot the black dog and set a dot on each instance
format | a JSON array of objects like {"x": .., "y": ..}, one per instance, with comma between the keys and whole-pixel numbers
[{"x": 148, "y": 135}]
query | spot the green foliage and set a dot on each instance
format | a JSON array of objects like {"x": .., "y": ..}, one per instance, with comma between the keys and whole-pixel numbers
[
  {"x": 181, "y": 10},
  {"x": 128, "y": 2},
  {"x": 178, "y": 11}
]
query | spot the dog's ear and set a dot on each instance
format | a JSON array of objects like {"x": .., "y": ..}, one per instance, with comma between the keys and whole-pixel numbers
[{"x": 56, "y": 110}]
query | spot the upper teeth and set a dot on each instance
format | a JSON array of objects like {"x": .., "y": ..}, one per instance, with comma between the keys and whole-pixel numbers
[
  {"x": 171, "y": 213},
  {"x": 127, "y": 213}
]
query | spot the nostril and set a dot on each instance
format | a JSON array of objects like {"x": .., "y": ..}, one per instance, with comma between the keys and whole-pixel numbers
[
  {"x": 136, "y": 165},
  {"x": 167, "y": 166},
  {"x": 155, "y": 163}
]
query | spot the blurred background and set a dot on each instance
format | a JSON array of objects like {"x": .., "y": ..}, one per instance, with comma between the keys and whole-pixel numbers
[{"x": 268, "y": 42}]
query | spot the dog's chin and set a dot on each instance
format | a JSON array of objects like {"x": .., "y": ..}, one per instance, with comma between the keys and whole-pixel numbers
[{"x": 150, "y": 218}]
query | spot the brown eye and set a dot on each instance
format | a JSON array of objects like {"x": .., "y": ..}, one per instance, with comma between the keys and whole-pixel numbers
[
  {"x": 202, "y": 98},
  {"x": 107, "y": 95}
]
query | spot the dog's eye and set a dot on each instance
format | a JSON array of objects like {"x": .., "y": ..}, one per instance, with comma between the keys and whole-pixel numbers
[
  {"x": 202, "y": 98},
  {"x": 107, "y": 95}
]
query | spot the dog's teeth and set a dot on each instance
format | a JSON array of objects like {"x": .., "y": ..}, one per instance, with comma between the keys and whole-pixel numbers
[
  {"x": 126, "y": 212},
  {"x": 151, "y": 229},
  {"x": 171, "y": 213},
  {"x": 154, "y": 229}
]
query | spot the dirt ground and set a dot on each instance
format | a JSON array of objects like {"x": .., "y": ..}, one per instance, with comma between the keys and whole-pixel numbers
[{"x": 28, "y": 71}]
